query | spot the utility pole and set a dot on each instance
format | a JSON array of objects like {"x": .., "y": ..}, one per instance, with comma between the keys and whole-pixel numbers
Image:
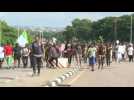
[
  {"x": 131, "y": 30},
  {"x": 115, "y": 29}
]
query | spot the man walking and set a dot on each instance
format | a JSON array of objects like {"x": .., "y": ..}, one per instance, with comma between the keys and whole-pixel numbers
[
  {"x": 108, "y": 54},
  {"x": 25, "y": 55},
  {"x": 17, "y": 55},
  {"x": 101, "y": 52},
  {"x": 8, "y": 51},
  {"x": 37, "y": 52},
  {"x": 92, "y": 56},
  {"x": 130, "y": 52}
]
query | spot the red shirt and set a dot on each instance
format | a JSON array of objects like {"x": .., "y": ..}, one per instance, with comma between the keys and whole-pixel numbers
[
  {"x": 8, "y": 50},
  {"x": 69, "y": 52}
]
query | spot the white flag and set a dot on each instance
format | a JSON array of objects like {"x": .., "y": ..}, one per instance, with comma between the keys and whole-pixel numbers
[{"x": 22, "y": 41}]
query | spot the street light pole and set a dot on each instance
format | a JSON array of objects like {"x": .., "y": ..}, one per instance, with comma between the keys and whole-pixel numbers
[
  {"x": 41, "y": 35},
  {"x": 131, "y": 30}
]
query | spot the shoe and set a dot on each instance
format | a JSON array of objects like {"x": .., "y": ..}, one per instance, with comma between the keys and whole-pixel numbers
[{"x": 92, "y": 70}]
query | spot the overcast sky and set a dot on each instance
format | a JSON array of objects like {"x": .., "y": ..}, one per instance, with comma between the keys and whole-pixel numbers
[{"x": 52, "y": 19}]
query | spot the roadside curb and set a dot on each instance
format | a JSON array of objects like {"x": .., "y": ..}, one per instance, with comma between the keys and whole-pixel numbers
[{"x": 59, "y": 80}]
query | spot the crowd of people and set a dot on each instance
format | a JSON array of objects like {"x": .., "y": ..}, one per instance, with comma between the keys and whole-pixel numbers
[
  {"x": 92, "y": 54},
  {"x": 100, "y": 54}
]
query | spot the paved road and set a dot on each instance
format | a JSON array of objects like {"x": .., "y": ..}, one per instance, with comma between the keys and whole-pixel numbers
[
  {"x": 118, "y": 75},
  {"x": 115, "y": 75},
  {"x": 20, "y": 77},
  {"x": 23, "y": 77}
]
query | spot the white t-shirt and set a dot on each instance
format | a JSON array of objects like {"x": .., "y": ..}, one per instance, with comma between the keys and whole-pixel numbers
[
  {"x": 1, "y": 52},
  {"x": 120, "y": 49},
  {"x": 130, "y": 51}
]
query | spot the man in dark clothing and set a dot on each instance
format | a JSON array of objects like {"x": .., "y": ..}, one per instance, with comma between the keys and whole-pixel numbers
[
  {"x": 37, "y": 53},
  {"x": 47, "y": 48},
  {"x": 69, "y": 54},
  {"x": 17, "y": 54},
  {"x": 101, "y": 55},
  {"x": 108, "y": 53}
]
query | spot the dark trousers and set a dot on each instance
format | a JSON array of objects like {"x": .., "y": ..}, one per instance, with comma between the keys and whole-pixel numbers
[
  {"x": 31, "y": 60},
  {"x": 46, "y": 60},
  {"x": 69, "y": 60},
  {"x": 123, "y": 56},
  {"x": 130, "y": 58},
  {"x": 25, "y": 61},
  {"x": 51, "y": 61},
  {"x": 108, "y": 60},
  {"x": 0, "y": 64},
  {"x": 101, "y": 61},
  {"x": 1, "y": 61},
  {"x": 18, "y": 60},
  {"x": 36, "y": 63}
]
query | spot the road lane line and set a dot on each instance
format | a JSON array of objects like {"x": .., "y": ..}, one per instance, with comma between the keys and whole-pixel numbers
[{"x": 76, "y": 78}]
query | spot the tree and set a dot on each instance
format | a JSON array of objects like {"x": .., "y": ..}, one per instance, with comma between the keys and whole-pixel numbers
[
  {"x": 69, "y": 33},
  {"x": 82, "y": 29},
  {"x": 8, "y": 33},
  {"x": 104, "y": 28}
]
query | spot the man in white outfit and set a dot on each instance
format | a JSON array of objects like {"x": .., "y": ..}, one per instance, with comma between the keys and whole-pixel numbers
[
  {"x": 123, "y": 52},
  {"x": 119, "y": 53}
]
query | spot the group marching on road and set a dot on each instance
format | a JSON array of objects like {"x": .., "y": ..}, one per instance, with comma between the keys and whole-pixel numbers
[{"x": 100, "y": 54}]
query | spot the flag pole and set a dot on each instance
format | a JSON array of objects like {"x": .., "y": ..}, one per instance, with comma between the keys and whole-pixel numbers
[{"x": 42, "y": 36}]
